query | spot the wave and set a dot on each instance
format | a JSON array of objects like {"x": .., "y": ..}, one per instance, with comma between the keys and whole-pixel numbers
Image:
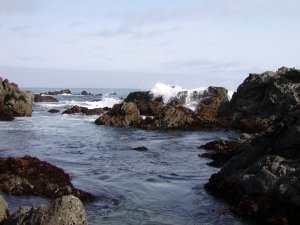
[
  {"x": 189, "y": 98},
  {"x": 104, "y": 102}
]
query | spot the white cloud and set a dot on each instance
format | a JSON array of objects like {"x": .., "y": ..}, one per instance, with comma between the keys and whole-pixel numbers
[{"x": 18, "y": 6}]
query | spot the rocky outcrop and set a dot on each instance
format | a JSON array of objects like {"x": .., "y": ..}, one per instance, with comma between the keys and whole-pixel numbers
[
  {"x": 262, "y": 181},
  {"x": 124, "y": 114},
  {"x": 221, "y": 151},
  {"x": 79, "y": 109},
  {"x": 172, "y": 115},
  {"x": 13, "y": 102},
  {"x": 3, "y": 209},
  {"x": 30, "y": 176},
  {"x": 61, "y": 92},
  {"x": 44, "y": 98},
  {"x": 85, "y": 93},
  {"x": 264, "y": 98},
  {"x": 61, "y": 211}
]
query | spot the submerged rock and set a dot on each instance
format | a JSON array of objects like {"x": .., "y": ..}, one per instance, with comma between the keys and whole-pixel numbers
[
  {"x": 3, "y": 209},
  {"x": 30, "y": 176},
  {"x": 62, "y": 211},
  {"x": 262, "y": 181},
  {"x": 13, "y": 102},
  {"x": 53, "y": 111},
  {"x": 79, "y": 109},
  {"x": 61, "y": 92},
  {"x": 44, "y": 98},
  {"x": 140, "y": 149}
]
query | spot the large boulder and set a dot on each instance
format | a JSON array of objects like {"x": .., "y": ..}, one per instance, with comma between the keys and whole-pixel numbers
[
  {"x": 13, "y": 101},
  {"x": 79, "y": 109},
  {"x": 262, "y": 181},
  {"x": 124, "y": 114},
  {"x": 3, "y": 209},
  {"x": 264, "y": 98},
  {"x": 62, "y": 211},
  {"x": 29, "y": 175}
]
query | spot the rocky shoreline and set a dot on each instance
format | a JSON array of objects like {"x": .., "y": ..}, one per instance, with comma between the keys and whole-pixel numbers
[{"x": 260, "y": 170}]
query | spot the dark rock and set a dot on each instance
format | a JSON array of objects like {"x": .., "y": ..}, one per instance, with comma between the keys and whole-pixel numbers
[
  {"x": 3, "y": 209},
  {"x": 61, "y": 211},
  {"x": 141, "y": 149},
  {"x": 84, "y": 110},
  {"x": 44, "y": 98},
  {"x": 85, "y": 93},
  {"x": 106, "y": 108},
  {"x": 264, "y": 98},
  {"x": 30, "y": 176},
  {"x": 124, "y": 114},
  {"x": 66, "y": 91},
  {"x": 13, "y": 101},
  {"x": 99, "y": 94},
  {"x": 262, "y": 181},
  {"x": 53, "y": 111}
]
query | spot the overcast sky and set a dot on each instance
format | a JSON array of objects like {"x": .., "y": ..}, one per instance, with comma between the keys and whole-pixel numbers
[{"x": 134, "y": 43}]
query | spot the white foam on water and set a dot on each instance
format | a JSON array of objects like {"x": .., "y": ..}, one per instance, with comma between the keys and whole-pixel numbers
[{"x": 105, "y": 102}]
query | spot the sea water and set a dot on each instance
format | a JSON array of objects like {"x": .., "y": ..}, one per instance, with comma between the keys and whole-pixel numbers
[{"x": 164, "y": 185}]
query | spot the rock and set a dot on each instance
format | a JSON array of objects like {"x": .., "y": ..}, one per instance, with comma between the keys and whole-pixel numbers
[
  {"x": 53, "y": 111},
  {"x": 85, "y": 93},
  {"x": 141, "y": 149},
  {"x": 44, "y": 98},
  {"x": 61, "y": 211},
  {"x": 84, "y": 110},
  {"x": 264, "y": 98},
  {"x": 262, "y": 181},
  {"x": 61, "y": 92},
  {"x": 124, "y": 114},
  {"x": 4, "y": 213},
  {"x": 147, "y": 105},
  {"x": 30, "y": 176},
  {"x": 13, "y": 101}
]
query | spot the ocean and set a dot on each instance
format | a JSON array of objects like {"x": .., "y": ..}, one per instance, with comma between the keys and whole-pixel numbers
[{"x": 161, "y": 186}]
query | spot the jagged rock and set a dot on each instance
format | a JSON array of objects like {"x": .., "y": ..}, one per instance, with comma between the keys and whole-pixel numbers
[
  {"x": 84, "y": 110},
  {"x": 44, "y": 98},
  {"x": 264, "y": 98},
  {"x": 66, "y": 91},
  {"x": 262, "y": 181},
  {"x": 3, "y": 209},
  {"x": 28, "y": 175},
  {"x": 53, "y": 111},
  {"x": 61, "y": 211},
  {"x": 13, "y": 101},
  {"x": 124, "y": 114},
  {"x": 85, "y": 93}
]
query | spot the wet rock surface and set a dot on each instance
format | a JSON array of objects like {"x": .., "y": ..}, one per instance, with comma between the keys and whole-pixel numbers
[
  {"x": 79, "y": 109},
  {"x": 13, "y": 102},
  {"x": 140, "y": 149},
  {"x": 262, "y": 181},
  {"x": 85, "y": 93},
  {"x": 61, "y": 211},
  {"x": 30, "y": 176},
  {"x": 44, "y": 98}
]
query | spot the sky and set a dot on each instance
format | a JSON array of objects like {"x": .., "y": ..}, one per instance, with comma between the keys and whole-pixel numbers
[{"x": 135, "y": 43}]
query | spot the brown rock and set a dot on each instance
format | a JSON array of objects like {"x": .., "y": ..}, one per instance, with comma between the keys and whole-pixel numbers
[
  {"x": 79, "y": 109},
  {"x": 30, "y": 176},
  {"x": 44, "y": 98}
]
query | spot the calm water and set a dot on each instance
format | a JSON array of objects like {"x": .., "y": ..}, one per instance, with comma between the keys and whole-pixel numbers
[{"x": 164, "y": 185}]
